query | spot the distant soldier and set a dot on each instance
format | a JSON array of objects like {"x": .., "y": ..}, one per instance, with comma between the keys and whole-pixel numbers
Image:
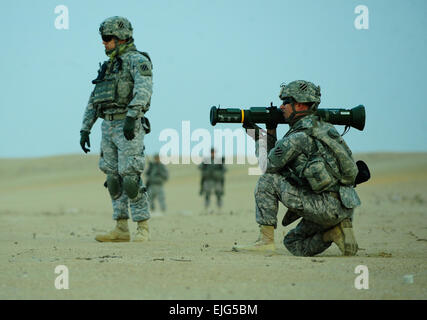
[
  {"x": 156, "y": 175},
  {"x": 121, "y": 97},
  {"x": 213, "y": 174}
]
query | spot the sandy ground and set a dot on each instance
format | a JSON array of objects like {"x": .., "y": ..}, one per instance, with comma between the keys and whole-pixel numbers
[{"x": 52, "y": 208}]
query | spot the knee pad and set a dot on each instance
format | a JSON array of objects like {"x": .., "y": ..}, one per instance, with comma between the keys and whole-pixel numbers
[
  {"x": 131, "y": 186},
  {"x": 114, "y": 186}
]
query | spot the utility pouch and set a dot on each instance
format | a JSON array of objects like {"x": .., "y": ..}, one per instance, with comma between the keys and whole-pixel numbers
[
  {"x": 105, "y": 90},
  {"x": 317, "y": 175},
  {"x": 349, "y": 197}
]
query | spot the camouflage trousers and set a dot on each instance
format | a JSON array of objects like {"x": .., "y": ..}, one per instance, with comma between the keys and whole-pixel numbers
[
  {"x": 319, "y": 212},
  {"x": 125, "y": 158},
  {"x": 139, "y": 209},
  {"x": 155, "y": 191},
  {"x": 210, "y": 186}
]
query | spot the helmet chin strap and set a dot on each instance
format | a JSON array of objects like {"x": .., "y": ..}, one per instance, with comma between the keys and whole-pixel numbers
[
  {"x": 296, "y": 115},
  {"x": 116, "y": 49},
  {"x": 116, "y": 46}
]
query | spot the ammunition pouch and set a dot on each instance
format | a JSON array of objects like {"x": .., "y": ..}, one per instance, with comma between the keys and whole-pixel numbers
[
  {"x": 108, "y": 91},
  {"x": 317, "y": 175},
  {"x": 105, "y": 91}
]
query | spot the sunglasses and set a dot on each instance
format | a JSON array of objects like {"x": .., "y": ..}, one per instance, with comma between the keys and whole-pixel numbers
[
  {"x": 107, "y": 38},
  {"x": 288, "y": 100}
]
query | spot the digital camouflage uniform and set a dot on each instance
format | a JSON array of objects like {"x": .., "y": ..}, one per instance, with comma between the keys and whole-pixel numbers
[
  {"x": 212, "y": 180},
  {"x": 285, "y": 180},
  {"x": 320, "y": 211},
  {"x": 123, "y": 89},
  {"x": 156, "y": 175}
]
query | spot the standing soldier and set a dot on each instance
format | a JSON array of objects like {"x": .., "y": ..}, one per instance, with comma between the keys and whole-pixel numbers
[
  {"x": 157, "y": 174},
  {"x": 213, "y": 172},
  {"x": 121, "y": 97},
  {"x": 312, "y": 172}
]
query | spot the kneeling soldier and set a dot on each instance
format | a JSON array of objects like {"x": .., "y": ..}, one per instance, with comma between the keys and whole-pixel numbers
[{"x": 312, "y": 172}]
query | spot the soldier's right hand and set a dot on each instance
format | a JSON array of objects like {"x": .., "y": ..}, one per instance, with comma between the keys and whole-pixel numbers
[
  {"x": 84, "y": 139},
  {"x": 129, "y": 128}
]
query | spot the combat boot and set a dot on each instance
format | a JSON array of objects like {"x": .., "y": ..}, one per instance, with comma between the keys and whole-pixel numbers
[
  {"x": 119, "y": 234},
  {"x": 142, "y": 232},
  {"x": 342, "y": 235},
  {"x": 265, "y": 241}
]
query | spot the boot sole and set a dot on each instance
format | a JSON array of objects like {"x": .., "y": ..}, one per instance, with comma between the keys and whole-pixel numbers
[{"x": 350, "y": 243}]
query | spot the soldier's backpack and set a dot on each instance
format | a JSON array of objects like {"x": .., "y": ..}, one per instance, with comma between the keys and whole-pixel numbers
[{"x": 332, "y": 163}]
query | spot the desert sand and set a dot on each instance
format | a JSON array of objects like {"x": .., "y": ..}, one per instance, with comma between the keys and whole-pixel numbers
[{"x": 51, "y": 209}]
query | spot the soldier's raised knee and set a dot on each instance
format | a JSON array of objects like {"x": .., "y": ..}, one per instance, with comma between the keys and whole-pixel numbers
[
  {"x": 131, "y": 186},
  {"x": 114, "y": 186}
]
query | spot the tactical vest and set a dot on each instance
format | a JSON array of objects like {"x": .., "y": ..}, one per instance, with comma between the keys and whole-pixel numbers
[
  {"x": 114, "y": 85},
  {"x": 332, "y": 163}
]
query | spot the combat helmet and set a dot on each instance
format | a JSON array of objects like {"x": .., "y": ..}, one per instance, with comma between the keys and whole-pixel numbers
[
  {"x": 116, "y": 26},
  {"x": 301, "y": 91}
]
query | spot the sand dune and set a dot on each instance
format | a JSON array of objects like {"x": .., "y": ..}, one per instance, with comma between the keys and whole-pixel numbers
[{"x": 51, "y": 208}]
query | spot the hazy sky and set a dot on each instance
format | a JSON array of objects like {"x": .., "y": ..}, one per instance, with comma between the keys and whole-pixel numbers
[{"x": 230, "y": 52}]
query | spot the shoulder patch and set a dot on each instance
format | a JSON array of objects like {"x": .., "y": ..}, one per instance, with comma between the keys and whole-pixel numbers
[{"x": 145, "y": 68}]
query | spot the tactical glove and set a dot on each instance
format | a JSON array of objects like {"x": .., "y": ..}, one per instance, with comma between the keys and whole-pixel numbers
[
  {"x": 364, "y": 174},
  {"x": 271, "y": 125},
  {"x": 84, "y": 139},
  {"x": 128, "y": 128}
]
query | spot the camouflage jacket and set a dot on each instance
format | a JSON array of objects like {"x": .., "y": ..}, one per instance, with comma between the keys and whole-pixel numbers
[
  {"x": 290, "y": 152},
  {"x": 289, "y": 157},
  {"x": 157, "y": 173},
  {"x": 130, "y": 75}
]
